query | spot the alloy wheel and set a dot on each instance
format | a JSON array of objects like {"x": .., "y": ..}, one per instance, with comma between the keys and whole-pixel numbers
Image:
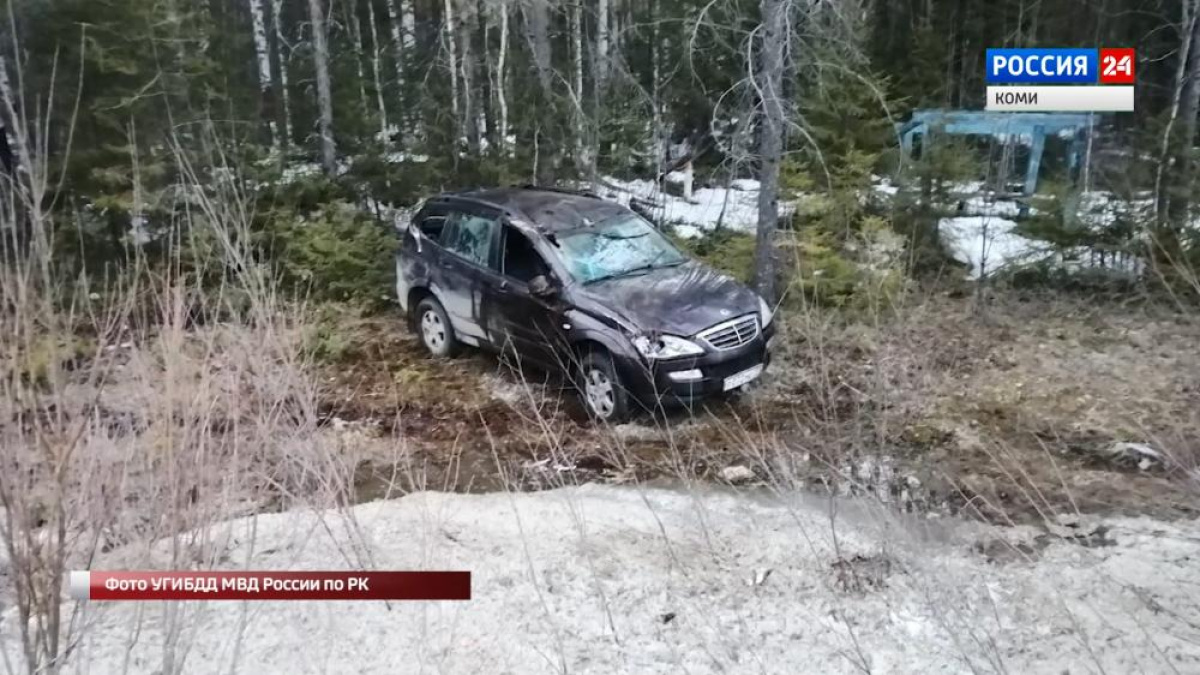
[
  {"x": 433, "y": 331},
  {"x": 598, "y": 389}
]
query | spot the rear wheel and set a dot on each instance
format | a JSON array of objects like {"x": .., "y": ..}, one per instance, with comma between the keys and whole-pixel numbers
[
  {"x": 434, "y": 329},
  {"x": 600, "y": 387}
]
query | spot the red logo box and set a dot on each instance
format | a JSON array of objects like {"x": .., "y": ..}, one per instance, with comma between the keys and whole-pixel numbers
[{"x": 1117, "y": 66}]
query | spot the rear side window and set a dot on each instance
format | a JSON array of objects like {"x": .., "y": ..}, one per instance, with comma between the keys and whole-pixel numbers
[{"x": 470, "y": 236}]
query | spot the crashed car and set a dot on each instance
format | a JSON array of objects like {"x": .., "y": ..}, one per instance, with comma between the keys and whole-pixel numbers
[{"x": 566, "y": 280}]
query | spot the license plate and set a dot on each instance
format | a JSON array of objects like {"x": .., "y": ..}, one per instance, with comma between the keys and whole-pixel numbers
[{"x": 744, "y": 377}]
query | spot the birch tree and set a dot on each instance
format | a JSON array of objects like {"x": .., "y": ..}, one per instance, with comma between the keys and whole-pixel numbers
[
  {"x": 768, "y": 80},
  {"x": 581, "y": 161},
  {"x": 501, "y": 69},
  {"x": 282, "y": 56},
  {"x": 602, "y": 24},
  {"x": 376, "y": 68},
  {"x": 351, "y": 11},
  {"x": 262, "y": 52},
  {"x": 452, "y": 57},
  {"x": 316, "y": 15}
]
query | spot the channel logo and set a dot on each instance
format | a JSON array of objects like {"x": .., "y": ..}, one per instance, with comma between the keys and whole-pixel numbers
[{"x": 1060, "y": 66}]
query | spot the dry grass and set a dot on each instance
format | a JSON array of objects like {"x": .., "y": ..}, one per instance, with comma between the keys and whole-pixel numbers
[
  {"x": 123, "y": 422},
  {"x": 1005, "y": 414}
]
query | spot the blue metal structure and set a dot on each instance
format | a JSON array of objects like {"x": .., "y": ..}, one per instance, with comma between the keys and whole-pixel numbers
[{"x": 1035, "y": 125}]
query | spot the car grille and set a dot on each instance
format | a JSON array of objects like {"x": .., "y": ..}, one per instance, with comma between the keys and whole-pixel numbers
[{"x": 731, "y": 334}]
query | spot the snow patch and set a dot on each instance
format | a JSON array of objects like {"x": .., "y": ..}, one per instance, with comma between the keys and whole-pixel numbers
[
  {"x": 986, "y": 243},
  {"x": 602, "y": 579},
  {"x": 733, "y": 209}
]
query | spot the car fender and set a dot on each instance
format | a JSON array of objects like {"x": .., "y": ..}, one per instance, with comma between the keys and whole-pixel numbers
[
  {"x": 411, "y": 272},
  {"x": 610, "y": 334}
]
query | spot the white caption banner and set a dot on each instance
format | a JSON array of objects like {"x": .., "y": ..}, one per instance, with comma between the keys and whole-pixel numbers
[{"x": 1105, "y": 98}]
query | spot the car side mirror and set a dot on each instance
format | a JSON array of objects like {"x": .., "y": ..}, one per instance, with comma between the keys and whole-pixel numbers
[{"x": 540, "y": 287}]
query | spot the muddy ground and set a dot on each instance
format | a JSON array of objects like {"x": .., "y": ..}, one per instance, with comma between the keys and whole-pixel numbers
[{"x": 1016, "y": 412}]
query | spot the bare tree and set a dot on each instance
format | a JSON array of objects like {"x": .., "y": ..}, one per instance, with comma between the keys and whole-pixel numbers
[
  {"x": 452, "y": 56},
  {"x": 577, "y": 84},
  {"x": 473, "y": 116},
  {"x": 501, "y": 65},
  {"x": 263, "y": 53},
  {"x": 324, "y": 90},
  {"x": 402, "y": 23},
  {"x": 537, "y": 34},
  {"x": 1176, "y": 166},
  {"x": 281, "y": 58},
  {"x": 602, "y": 19},
  {"x": 376, "y": 56},
  {"x": 349, "y": 7},
  {"x": 768, "y": 79}
]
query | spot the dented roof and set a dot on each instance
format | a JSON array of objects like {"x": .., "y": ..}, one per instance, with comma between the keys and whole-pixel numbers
[{"x": 548, "y": 210}]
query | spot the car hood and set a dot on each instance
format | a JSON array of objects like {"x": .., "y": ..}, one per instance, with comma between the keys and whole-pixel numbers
[{"x": 680, "y": 300}]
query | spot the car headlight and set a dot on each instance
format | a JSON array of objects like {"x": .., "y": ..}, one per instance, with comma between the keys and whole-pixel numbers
[
  {"x": 666, "y": 346},
  {"x": 764, "y": 313}
]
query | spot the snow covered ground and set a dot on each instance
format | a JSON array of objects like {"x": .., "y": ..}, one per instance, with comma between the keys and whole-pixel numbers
[
  {"x": 602, "y": 579},
  {"x": 734, "y": 209},
  {"x": 988, "y": 243}
]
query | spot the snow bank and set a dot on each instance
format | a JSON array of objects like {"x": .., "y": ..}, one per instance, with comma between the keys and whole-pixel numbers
[
  {"x": 605, "y": 580},
  {"x": 987, "y": 243},
  {"x": 734, "y": 209}
]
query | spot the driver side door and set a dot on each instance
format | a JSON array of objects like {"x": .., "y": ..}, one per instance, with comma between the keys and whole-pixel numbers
[{"x": 523, "y": 326}]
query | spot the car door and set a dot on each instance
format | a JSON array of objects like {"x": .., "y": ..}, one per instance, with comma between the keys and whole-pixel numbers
[
  {"x": 525, "y": 327},
  {"x": 469, "y": 242}
]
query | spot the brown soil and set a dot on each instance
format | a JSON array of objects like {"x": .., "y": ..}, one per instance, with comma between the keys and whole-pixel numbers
[{"x": 1003, "y": 414}]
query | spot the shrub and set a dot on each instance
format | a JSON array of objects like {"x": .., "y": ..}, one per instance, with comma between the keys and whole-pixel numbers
[
  {"x": 724, "y": 250},
  {"x": 338, "y": 253},
  {"x": 863, "y": 270}
]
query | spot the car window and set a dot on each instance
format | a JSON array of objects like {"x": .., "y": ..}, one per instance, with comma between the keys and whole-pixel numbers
[
  {"x": 470, "y": 236},
  {"x": 521, "y": 260},
  {"x": 616, "y": 248},
  {"x": 432, "y": 225}
]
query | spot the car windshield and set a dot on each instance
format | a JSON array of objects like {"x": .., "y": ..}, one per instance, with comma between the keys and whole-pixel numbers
[{"x": 615, "y": 248}]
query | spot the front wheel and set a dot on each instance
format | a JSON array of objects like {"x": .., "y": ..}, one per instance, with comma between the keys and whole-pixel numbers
[
  {"x": 434, "y": 328},
  {"x": 604, "y": 395}
]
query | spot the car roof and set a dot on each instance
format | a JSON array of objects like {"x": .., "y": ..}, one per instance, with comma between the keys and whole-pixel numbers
[{"x": 547, "y": 209}]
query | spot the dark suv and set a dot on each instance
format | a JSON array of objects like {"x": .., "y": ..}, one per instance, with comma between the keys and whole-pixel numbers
[{"x": 566, "y": 280}]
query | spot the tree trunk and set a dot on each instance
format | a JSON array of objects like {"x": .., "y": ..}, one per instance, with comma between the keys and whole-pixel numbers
[
  {"x": 1179, "y": 201},
  {"x": 409, "y": 23},
  {"x": 501, "y": 95},
  {"x": 262, "y": 52},
  {"x": 324, "y": 90},
  {"x": 1174, "y": 165},
  {"x": 452, "y": 53},
  {"x": 282, "y": 59},
  {"x": 769, "y": 80},
  {"x": 485, "y": 78},
  {"x": 376, "y": 68},
  {"x": 351, "y": 11},
  {"x": 470, "y": 97},
  {"x": 537, "y": 33},
  {"x": 577, "y": 93},
  {"x": 602, "y": 22},
  {"x": 537, "y": 27},
  {"x": 398, "y": 19}
]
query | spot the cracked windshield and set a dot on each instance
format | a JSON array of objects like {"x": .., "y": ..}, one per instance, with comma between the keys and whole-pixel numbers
[{"x": 616, "y": 248}]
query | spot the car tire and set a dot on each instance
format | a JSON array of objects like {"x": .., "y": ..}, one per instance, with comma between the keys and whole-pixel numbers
[
  {"x": 601, "y": 391},
  {"x": 434, "y": 329}
]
